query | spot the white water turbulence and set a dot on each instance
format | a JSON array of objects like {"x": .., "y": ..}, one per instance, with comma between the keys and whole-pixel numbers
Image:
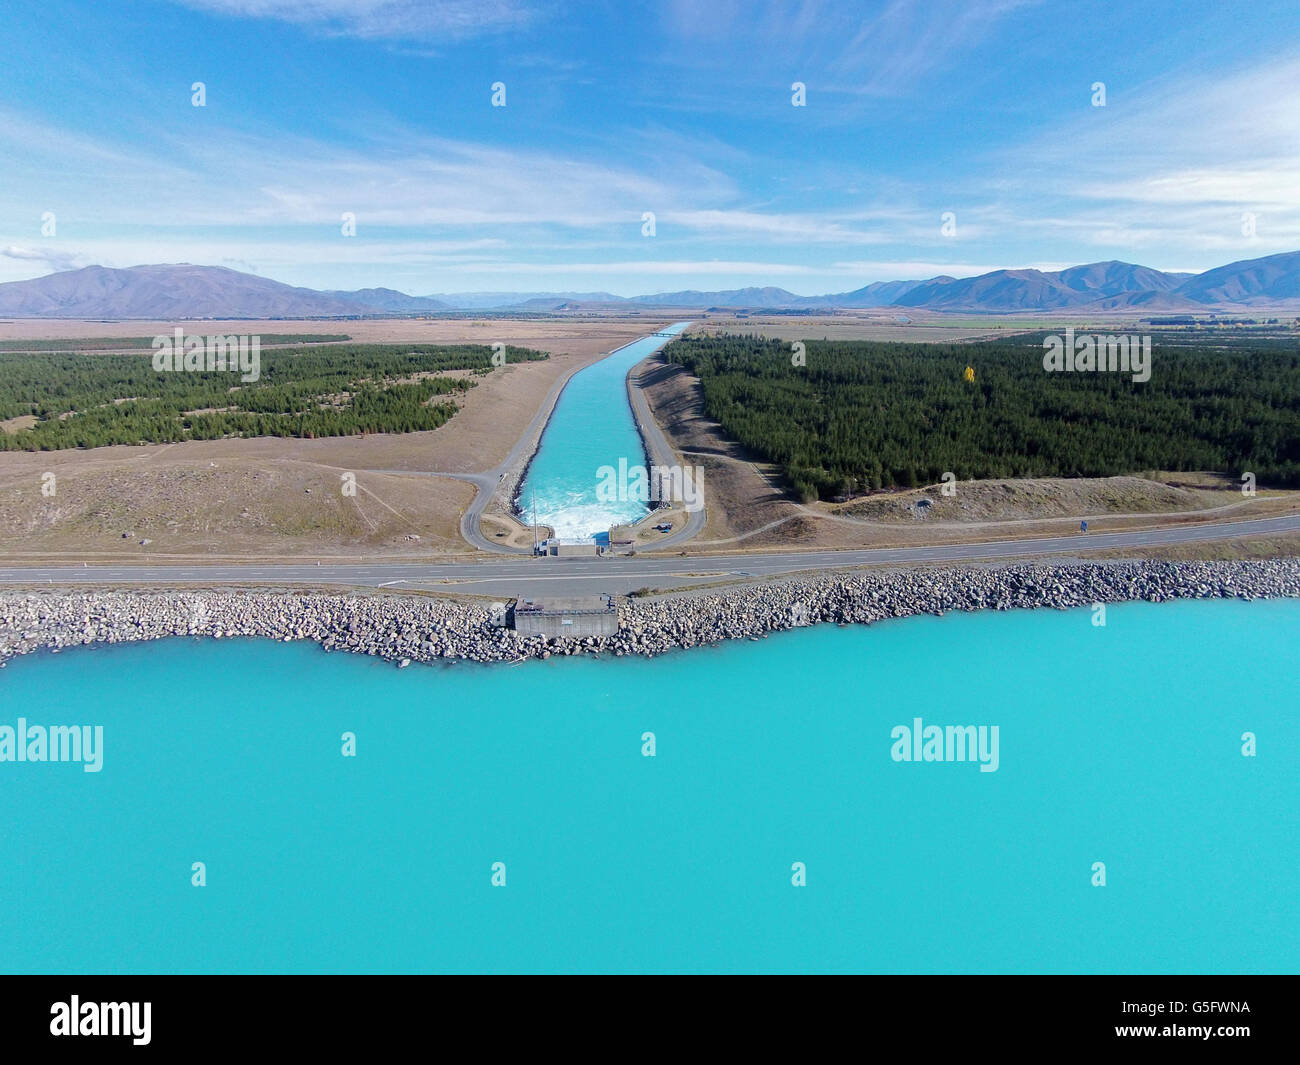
[{"x": 592, "y": 426}]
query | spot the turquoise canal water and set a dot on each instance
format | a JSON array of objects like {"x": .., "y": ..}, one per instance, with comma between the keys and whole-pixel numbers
[
  {"x": 1119, "y": 745},
  {"x": 591, "y": 427}
]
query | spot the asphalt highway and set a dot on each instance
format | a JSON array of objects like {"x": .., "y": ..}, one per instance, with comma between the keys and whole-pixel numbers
[{"x": 528, "y": 576}]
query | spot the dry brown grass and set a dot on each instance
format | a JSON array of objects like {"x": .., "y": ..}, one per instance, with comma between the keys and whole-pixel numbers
[
  {"x": 903, "y": 324},
  {"x": 17, "y": 425},
  {"x": 236, "y": 507}
]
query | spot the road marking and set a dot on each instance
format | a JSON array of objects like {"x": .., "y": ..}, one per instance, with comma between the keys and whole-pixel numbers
[{"x": 787, "y": 563}]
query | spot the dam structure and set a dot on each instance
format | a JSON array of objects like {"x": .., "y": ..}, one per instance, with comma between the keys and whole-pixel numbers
[{"x": 567, "y": 616}]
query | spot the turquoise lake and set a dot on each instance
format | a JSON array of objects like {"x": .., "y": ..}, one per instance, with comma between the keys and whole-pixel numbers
[
  {"x": 591, "y": 427},
  {"x": 1119, "y": 744}
]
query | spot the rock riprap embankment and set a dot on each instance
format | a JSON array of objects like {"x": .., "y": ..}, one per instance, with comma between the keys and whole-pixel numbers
[{"x": 406, "y": 628}]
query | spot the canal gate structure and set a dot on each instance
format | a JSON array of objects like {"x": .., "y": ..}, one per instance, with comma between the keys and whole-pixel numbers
[{"x": 569, "y": 616}]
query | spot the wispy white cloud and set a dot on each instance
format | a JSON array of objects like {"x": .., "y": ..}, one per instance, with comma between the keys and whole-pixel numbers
[
  {"x": 401, "y": 179},
  {"x": 1177, "y": 161},
  {"x": 405, "y": 179},
  {"x": 909, "y": 38},
  {"x": 879, "y": 48},
  {"x": 383, "y": 19},
  {"x": 54, "y": 258}
]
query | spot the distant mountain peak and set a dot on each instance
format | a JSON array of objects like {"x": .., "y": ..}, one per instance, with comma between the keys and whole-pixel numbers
[{"x": 183, "y": 290}]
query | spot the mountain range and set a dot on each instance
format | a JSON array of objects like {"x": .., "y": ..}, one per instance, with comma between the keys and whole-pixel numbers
[{"x": 185, "y": 291}]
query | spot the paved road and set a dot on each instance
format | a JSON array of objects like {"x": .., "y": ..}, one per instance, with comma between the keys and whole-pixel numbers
[
  {"x": 487, "y": 481},
  {"x": 661, "y": 452},
  {"x": 589, "y": 576}
]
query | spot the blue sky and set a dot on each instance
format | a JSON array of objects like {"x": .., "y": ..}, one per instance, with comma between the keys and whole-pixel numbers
[{"x": 383, "y": 108}]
